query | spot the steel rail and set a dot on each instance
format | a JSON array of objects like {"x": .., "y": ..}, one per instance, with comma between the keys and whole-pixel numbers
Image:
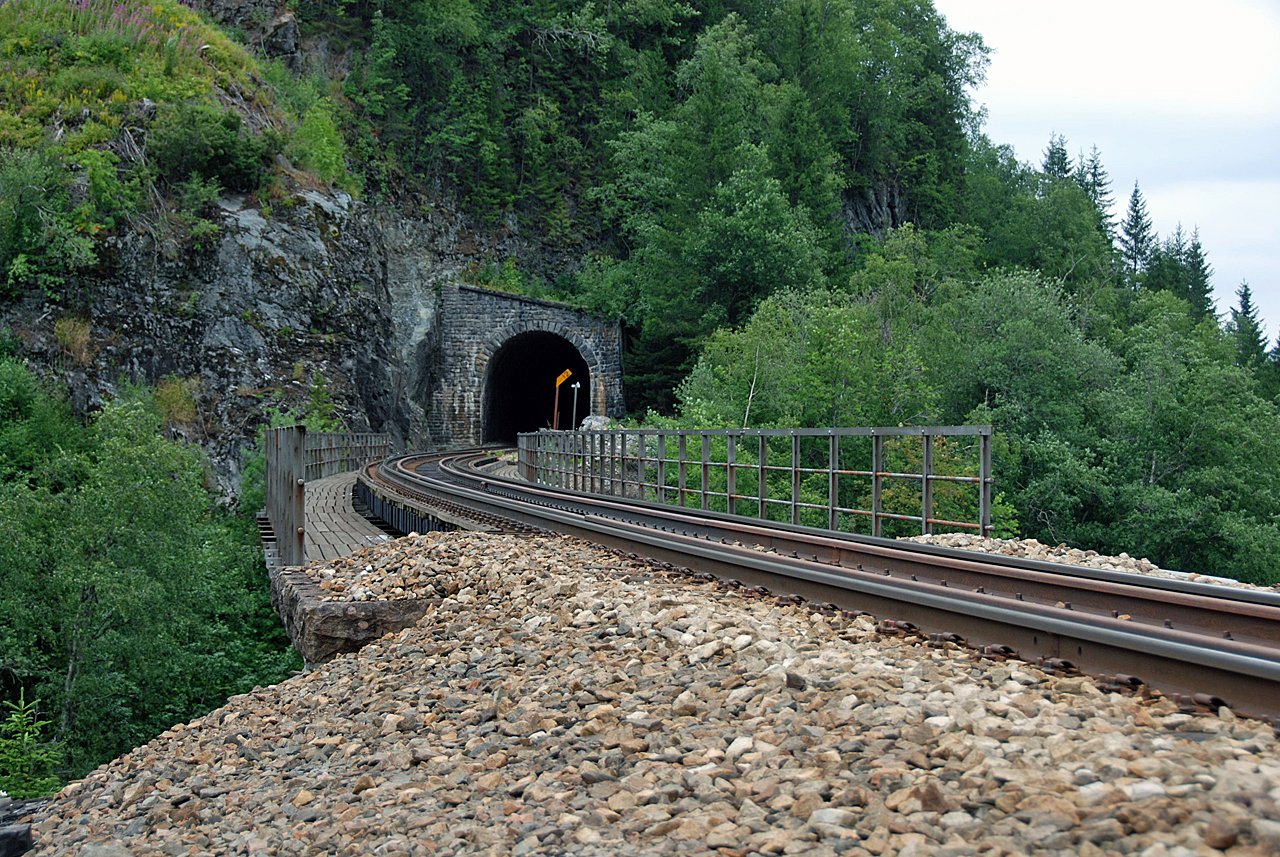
[
  {"x": 931, "y": 590},
  {"x": 1244, "y": 614}
]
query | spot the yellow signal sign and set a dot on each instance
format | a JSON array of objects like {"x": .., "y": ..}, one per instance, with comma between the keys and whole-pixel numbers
[{"x": 564, "y": 376}]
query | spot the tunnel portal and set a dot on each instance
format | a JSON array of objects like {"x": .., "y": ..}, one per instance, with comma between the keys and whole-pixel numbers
[{"x": 520, "y": 386}]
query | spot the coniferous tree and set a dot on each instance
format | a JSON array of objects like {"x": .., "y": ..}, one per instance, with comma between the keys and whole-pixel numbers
[
  {"x": 1165, "y": 270},
  {"x": 1246, "y": 328},
  {"x": 1199, "y": 289},
  {"x": 1093, "y": 180},
  {"x": 1269, "y": 375},
  {"x": 1057, "y": 164},
  {"x": 1177, "y": 265},
  {"x": 1137, "y": 238}
]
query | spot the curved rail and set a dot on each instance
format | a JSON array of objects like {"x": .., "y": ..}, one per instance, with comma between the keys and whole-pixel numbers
[{"x": 1209, "y": 643}]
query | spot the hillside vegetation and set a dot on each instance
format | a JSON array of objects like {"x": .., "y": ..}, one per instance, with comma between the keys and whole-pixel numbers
[
  {"x": 137, "y": 116},
  {"x": 129, "y": 604}
]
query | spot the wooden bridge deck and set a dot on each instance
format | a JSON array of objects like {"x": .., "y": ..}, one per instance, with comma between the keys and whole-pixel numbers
[{"x": 334, "y": 527}]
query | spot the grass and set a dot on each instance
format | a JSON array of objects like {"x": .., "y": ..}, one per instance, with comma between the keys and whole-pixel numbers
[
  {"x": 78, "y": 68},
  {"x": 176, "y": 399},
  {"x": 73, "y": 335}
]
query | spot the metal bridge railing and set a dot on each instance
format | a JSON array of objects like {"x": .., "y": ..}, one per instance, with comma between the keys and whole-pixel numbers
[
  {"x": 801, "y": 475},
  {"x": 329, "y": 453},
  {"x": 296, "y": 457}
]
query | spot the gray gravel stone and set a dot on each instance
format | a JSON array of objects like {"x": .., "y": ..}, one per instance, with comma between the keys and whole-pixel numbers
[{"x": 679, "y": 720}]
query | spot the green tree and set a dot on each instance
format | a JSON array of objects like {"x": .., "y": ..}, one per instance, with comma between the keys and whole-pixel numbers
[
  {"x": 1245, "y": 329},
  {"x": 1033, "y": 374},
  {"x": 1269, "y": 375},
  {"x": 1137, "y": 239},
  {"x": 1179, "y": 266},
  {"x": 808, "y": 358},
  {"x": 1093, "y": 179},
  {"x": 1171, "y": 444},
  {"x": 1198, "y": 273},
  {"x": 1054, "y": 231},
  {"x": 39, "y": 243},
  {"x": 713, "y": 229},
  {"x": 1057, "y": 163},
  {"x": 196, "y": 139},
  {"x": 128, "y": 605},
  {"x": 26, "y": 762}
]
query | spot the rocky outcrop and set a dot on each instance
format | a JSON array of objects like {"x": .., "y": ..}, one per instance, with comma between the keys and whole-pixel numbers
[
  {"x": 270, "y": 24},
  {"x": 278, "y": 304},
  {"x": 318, "y": 295},
  {"x": 872, "y": 210},
  {"x": 322, "y": 629}
]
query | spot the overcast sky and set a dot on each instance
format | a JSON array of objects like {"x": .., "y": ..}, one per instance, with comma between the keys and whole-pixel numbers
[{"x": 1183, "y": 97}]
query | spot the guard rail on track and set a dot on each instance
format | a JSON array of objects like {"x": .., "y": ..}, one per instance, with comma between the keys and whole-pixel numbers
[
  {"x": 295, "y": 458},
  {"x": 730, "y": 470}
]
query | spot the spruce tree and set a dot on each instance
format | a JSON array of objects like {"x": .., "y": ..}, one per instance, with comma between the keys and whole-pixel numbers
[
  {"x": 1057, "y": 164},
  {"x": 1165, "y": 269},
  {"x": 1137, "y": 238},
  {"x": 1199, "y": 289},
  {"x": 1246, "y": 328},
  {"x": 1094, "y": 181},
  {"x": 1269, "y": 375}
]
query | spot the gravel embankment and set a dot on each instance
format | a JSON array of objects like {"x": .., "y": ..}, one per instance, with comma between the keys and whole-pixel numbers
[
  {"x": 1033, "y": 549},
  {"x": 562, "y": 699}
]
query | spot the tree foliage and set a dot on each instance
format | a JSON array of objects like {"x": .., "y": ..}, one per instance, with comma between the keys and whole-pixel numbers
[
  {"x": 1245, "y": 328},
  {"x": 1137, "y": 238},
  {"x": 26, "y": 761},
  {"x": 1057, "y": 163},
  {"x": 129, "y": 606},
  {"x": 39, "y": 241},
  {"x": 1178, "y": 265},
  {"x": 1122, "y": 430}
]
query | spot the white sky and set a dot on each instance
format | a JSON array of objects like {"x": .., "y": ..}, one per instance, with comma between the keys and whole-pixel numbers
[{"x": 1183, "y": 97}]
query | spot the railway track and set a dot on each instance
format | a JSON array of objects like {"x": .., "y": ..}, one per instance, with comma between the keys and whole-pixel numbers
[{"x": 1204, "y": 644}]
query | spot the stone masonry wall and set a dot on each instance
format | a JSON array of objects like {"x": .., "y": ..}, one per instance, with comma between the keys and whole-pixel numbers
[{"x": 474, "y": 324}]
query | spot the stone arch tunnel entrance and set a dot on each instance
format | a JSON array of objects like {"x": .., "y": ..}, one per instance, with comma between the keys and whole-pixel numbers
[{"x": 520, "y": 386}]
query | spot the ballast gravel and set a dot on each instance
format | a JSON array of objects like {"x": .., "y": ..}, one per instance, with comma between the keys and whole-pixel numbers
[
  {"x": 566, "y": 699},
  {"x": 1034, "y": 549}
]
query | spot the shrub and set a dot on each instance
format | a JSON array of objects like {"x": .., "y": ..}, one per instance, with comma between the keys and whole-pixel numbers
[
  {"x": 37, "y": 239},
  {"x": 110, "y": 195},
  {"x": 317, "y": 145},
  {"x": 18, "y": 391},
  {"x": 199, "y": 139}
]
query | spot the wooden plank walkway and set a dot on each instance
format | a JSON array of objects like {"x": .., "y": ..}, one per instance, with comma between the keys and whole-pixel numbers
[{"x": 334, "y": 527}]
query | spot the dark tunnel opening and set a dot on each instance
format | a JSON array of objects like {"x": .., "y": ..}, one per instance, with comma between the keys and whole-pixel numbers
[{"x": 521, "y": 386}]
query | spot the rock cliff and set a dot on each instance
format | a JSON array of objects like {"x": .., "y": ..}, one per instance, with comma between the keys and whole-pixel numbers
[{"x": 322, "y": 289}]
